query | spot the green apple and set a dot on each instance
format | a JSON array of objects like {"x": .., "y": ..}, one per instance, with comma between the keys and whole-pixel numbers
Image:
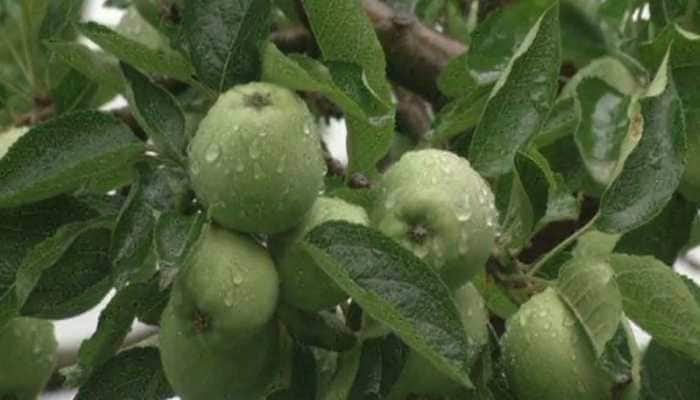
[
  {"x": 435, "y": 204},
  {"x": 549, "y": 357},
  {"x": 302, "y": 283},
  {"x": 27, "y": 357},
  {"x": 229, "y": 287},
  {"x": 200, "y": 367},
  {"x": 419, "y": 376},
  {"x": 256, "y": 160}
]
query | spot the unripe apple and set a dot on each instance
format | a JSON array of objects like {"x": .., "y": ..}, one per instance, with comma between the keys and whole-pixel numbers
[
  {"x": 419, "y": 376},
  {"x": 256, "y": 159},
  {"x": 199, "y": 366},
  {"x": 436, "y": 205},
  {"x": 229, "y": 288},
  {"x": 549, "y": 357},
  {"x": 303, "y": 284},
  {"x": 27, "y": 357}
]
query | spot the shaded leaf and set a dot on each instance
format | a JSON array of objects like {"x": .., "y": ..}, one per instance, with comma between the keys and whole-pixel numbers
[{"x": 323, "y": 329}]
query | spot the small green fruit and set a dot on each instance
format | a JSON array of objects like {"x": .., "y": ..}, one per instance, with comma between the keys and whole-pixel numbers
[
  {"x": 549, "y": 357},
  {"x": 436, "y": 205},
  {"x": 256, "y": 159},
  {"x": 229, "y": 288},
  {"x": 419, "y": 376},
  {"x": 200, "y": 367},
  {"x": 27, "y": 357},
  {"x": 303, "y": 283}
]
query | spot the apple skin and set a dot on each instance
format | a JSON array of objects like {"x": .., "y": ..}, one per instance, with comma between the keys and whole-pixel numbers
[
  {"x": 256, "y": 159},
  {"x": 436, "y": 205},
  {"x": 200, "y": 367},
  {"x": 28, "y": 353},
  {"x": 302, "y": 283},
  {"x": 419, "y": 376},
  {"x": 548, "y": 356},
  {"x": 230, "y": 283}
]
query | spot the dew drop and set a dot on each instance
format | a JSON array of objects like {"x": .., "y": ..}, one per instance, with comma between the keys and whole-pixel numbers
[
  {"x": 240, "y": 167},
  {"x": 237, "y": 280},
  {"x": 464, "y": 217},
  {"x": 213, "y": 153}
]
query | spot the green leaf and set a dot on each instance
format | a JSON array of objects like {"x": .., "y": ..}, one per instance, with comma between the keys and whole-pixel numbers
[
  {"x": 225, "y": 38},
  {"x": 397, "y": 289},
  {"x": 162, "y": 62},
  {"x": 97, "y": 66},
  {"x": 64, "y": 154},
  {"x": 133, "y": 250},
  {"x": 589, "y": 290},
  {"x": 527, "y": 201},
  {"x": 75, "y": 91},
  {"x": 60, "y": 17},
  {"x": 658, "y": 300},
  {"x": 368, "y": 381},
  {"x": 458, "y": 116},
  {"x": 495, "y": 297},
  {"x": 653, "y": 170},
  {"x": 520, "y": 100},
  {"x": 25, "y": 227},
  {"x": 685, "y": 48},
  {"x": 174, "y": 236},
  {"x": 668, "y": 375},
  {"x": 563, "y": 121},
  {"x": 332, "y": 22},
  {"x": 112, "y": 327},
  {"x": 604, "y": 125},
  {"x": 664, "y": 236},
  {"x": 48, "y": 253},
  {"x": 348, "y": 365},
  {"x": 493, "y": 42},
  {"x": 157, "y": 112},
  {"x": 618, "y": 359},
  {"x": 304, "y": 379},
  {"x": 323, "y": 329},
  {"x": 134, "y": 374},
  {"x": 75, "y": 282}
]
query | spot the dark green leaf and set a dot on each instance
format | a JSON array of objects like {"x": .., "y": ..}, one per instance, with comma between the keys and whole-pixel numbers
[
  {"x": 76, "y": 282},
  {"x": 133, "y": 251},
  {"x": 51, "y": 252},
  {"x": 341, "y": 384},
  {"x": 158, "y": 113},
  {"x": 175, "y": 234},
  {"x": 155, "y": 299},
  {"x": 563, "y": 121},
  {"x": 658, "y": 300},
  {"x": 60, "y": 17},
  {"x": 134, "y": 374},
  {"x": 665, "y": 235},
  {"x": 653, "y": 170},
  {"x": 685, "y": 48},
  {"x": 225, "y": 39},
  {"x": 75, "y": 91},
  {"x": 323, "y": 329},
  {"x": 162, "y": 62},
  {"x": 368, "y": 382},
  {"x": 114, "y": 324},
  {"x": 396, "y": 288},
  {"x": 64, "y": 154},
  {"x": 25, "y": 227},
  {"x": 617, "y": 359},
  {"x": 459, "y": 115},
  {"x": 521, "y": 99},
  {"x": 97, "y": 66},
  {"x": 668, "y": 375},
  {"x": 495, "y": 297}
]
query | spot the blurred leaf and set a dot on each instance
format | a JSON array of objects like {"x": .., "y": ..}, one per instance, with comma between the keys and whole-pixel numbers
[
  {"x": 225, "y": 39},
  {"x": 589, "y": 290},
  {"x": 157, "y": 112},
  {"x": 668, "y": 375},
  {"x": 397, "y": 289},
  {"x": 657, "y": 299},
  {"x": 521, "y": 100},
  {"x": 133, "y": 374},
  {"x": 341, "y": 384},
  {"x": 161, "y": 62},
  {"x": 617, "y": 359},
  {"x": 304, "y": 379},
  {"x": 60, "y": 16},
  {"x": 61, "y": 155},
  {"x": 495, "y": 297},
  {"x": 653, "y": 170},
  {"x": 97, "y": 66},
  {"x": 75, "y": 91}
]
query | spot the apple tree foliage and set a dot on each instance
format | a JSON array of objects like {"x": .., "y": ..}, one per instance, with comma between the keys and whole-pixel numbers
[{"x": 566, "y": 136}]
